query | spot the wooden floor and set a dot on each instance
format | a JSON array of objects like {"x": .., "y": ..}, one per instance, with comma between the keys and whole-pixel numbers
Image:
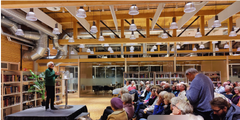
[{"x": 95, "y": 104}]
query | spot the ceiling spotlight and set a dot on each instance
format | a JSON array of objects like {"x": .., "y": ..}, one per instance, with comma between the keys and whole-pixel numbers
[
  {"x": 232, "y": 33},
  {"x": 226, "y": 46},
  {"x": 133, "y": 10},
  {"x": 31, "y": 15},
  {"x": 154, "y": 47},
  {"x": 81, "y": 13},
  {"x": 198, "y": 34},
  {"x": 189, "y": 7},
  {"x": 88, "y": 50},
  {"x": 81, "y": 46},
  {"x": 19, "y": 31},
  {"x": 158, "y": 43},
  {"x": 173, "y": 24},
  {"x": 194, "y": 49},
  {"x": 178, "y": 46},
  {"x": 71, "y": 39},
  {"x": 216, "y": 48},
  {"x": 131, "y": 48},
  {"x": 216, "y": 22},
  {"x": 101, "y": 38},
  {"x": 109, "y": 48},
  {"x": 152, "y": 50},
  {"x": 238, "y": 49},
  {"x": 202, "y": 46},
  {"x": 214, "y": 42},
  {"x": 132, "y": 37},
  {"x": 56, "y": 30},
  {"x": 164, "y": 35},
  {"x": 105, "y": 45},
  {"x": 93, "y": 28},
  {"x": 133, "y": 27}
]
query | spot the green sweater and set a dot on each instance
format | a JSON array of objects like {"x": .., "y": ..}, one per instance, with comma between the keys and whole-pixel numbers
[{"x": 50, "y": 77}]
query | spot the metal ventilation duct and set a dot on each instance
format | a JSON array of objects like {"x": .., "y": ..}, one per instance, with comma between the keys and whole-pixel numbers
[{"x": 14, "y": 15}]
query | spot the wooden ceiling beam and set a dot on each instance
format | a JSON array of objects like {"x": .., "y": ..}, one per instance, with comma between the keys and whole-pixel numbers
[
  {"x": 150, "y": 40},
  {"x": 140, "y": 15}
]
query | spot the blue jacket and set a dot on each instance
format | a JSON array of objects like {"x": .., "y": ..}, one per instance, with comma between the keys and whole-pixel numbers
[
  {"x": 158, "y": 109},
  {"x": 233, "y": 113},
  {"x": 200, "y": 93}
]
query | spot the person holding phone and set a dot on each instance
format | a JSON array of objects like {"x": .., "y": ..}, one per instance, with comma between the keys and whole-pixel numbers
[{"x": 50, "y": 76}]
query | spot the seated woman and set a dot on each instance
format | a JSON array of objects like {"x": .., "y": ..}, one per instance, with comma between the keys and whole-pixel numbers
[
  {"x": 181, "y": 108},
  {"x": 132, "y": 86},
  {"x": 127, "y": 105},
  {"x": 228, "y": 90},
  {"x": 167, "y": 97},
  {"x": 117, "y": 107},
  {"x": 236, "y": 97},
  {"x": 158, "y": 108}
]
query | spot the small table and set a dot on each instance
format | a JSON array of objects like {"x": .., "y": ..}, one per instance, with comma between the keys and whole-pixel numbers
[{"x": 66, "y": 97}]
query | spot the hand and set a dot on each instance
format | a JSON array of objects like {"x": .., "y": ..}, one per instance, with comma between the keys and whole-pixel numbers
[{"x": 56, "y": 73}]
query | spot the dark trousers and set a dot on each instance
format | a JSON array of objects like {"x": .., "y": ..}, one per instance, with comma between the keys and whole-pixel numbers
[
  {"x": 205, "y": 115},
  {"x": 106, "y": 112},
  {"x": 50, "y": 95},
  {"x": 141, "y": 114}
]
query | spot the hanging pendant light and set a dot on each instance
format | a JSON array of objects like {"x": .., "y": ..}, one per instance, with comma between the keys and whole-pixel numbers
[
  {"x": 101, "y": 38},
  {"x": 71, "y": 39},
  {"x": 81, "y": 13},
  {"x": 152, "y": 50},
  {"x": 189, "y": 7},
  {"x": 194, "y": 49},
  {"x": 216, "y": 22},
  {"x": 106, "y": 45},
  {"x": 81, "y": 46},
  {"x": 131, "y": 48},
  {"x": 202, "y": 46},
  {"x": 111, "y": 51},
  {"x": 109, "y": 48},
  {"x": 198, "y": 34},
  {"x": 133, "y": 10},
  {"x": 164, "y": 35},
  {"x": 172, "y": 49},
  {"x": 238, "y": 49},
  {"x": 56, "y": 30},
  {"x": 88, "y": 50},
  {"x": 216, "y": 48},
  {"x": 31, "y": 16},
  {"x": 158, "y": 43},
  {"x": 232, "y": 33},
  {"x": 91, "y": 52},
  {"x": 132, "y": 37},
  {"x": 226, "y": 46},
  {"x": 154, "y": 47},
  {"x": 173, "y": 24},
  {"x": 178, "y": 46},
  {"x": 72, "y": 52},
  {"x": 19, "y": 31},
  {"x": 133, "y": 27},
  {"x": 214, "y": 42},
  {"x": 93, "y": 28}
]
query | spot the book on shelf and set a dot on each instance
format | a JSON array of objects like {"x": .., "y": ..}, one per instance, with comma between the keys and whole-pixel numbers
[
  {"x": 11, "y": 78},
  {"x": 10, "y": 100},
  {"x": 57, "y": 90},
  {"x": 58, "y": 83},
  {"x": 11, "y": 89}
]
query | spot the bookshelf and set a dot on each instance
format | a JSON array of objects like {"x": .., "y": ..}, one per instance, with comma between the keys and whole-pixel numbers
[
  {"x": 162, "y": 76},
  {"x": 214, "y": 76},
  {"x": 139, "y": 76},
  {"x": 14, "y": 93}
]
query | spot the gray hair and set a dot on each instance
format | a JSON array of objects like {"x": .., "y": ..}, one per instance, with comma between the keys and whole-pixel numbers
[
  {"x": 142, "y": 82},
  {"x": 228, "y": 87},
  {"x": 161, "y": 94},
  {"x": 49, "y": 63},
  {"x": 175, "y": 100},
  {"x": 191, "y": 70},
  {"x": 127, "y": 98},
  {"x": 185, "y": 106},
  {"x": 123, "y": 90},
  {"x": 237, "y": 88}
]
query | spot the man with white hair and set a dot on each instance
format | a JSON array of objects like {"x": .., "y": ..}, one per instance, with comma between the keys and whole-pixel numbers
[
  {"x": 200, "y": 93},
  {"x": 50, "y": 76}
]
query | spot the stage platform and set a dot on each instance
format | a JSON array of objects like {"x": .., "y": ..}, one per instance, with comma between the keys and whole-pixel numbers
[{"x": 39, "y": 113}]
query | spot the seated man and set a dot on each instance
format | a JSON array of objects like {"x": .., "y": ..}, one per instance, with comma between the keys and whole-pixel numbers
[
  {"x": 181, "y": 108},
  {"x": 222, "y": 110},
  {"x": 219, "y": 88}
]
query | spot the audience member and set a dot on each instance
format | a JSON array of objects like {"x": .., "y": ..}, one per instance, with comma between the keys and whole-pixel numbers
[
  {"x": 219, "y": 88},
  {"x": 236, "y": 97},
  {"x": 174, "y": 90},
  {"x": 222, "y": 110},
  {"x": 222, "y": 96},
  {"x": 200, "y": 93},
  {"x": 167, "y": 87},
  {"x": 127, "y": 105},
  {"x": 128, "y": 84},
  {"x": 224, "y": 84},
  {"x": 228, "y": 90},
  {"x": 158, "y": 108},
  {"x": 145, "y": 92},
  {"x": 177, "y": 88},
  {"x": 167, "y": 97},
  {"x": 181, "y": 108},
  {"x": 132, "y": 86},
  {"x": 182, "y": 89},
  {"x": 142, "y": 86},
  {"x": 229, "y": 82},
  {"x": 117, "y": 107}
]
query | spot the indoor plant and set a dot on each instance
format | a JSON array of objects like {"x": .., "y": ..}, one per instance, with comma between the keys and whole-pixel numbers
[{"x": 39, "y": 85}]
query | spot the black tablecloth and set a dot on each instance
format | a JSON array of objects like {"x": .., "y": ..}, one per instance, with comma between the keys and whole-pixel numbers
[{"x": 39, "y": 113}]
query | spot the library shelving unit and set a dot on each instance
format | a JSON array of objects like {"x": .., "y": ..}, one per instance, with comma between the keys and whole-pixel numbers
[
  {"x": 162, "y": 76},
  {"x": 58, "y": 91},
  {"x": 214, "y": 76},
  {"x": 138, "y": 76},
  {"x": 178, "y": 77},
  {"x": 11, "y": 92}
]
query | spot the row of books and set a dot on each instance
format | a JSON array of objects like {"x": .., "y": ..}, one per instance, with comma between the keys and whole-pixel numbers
[
  {"x": 27, "y": 97},
  {"x": 11, "y": 78},
  {"x": 25, "y": 87},
  {"x": 10, "y": 100},
  {"x": 8, "y": 89},
  {"x": 28, "y": 78},
  {"x": 58, "y": 90},
  {"x": 58, "y": 83}
]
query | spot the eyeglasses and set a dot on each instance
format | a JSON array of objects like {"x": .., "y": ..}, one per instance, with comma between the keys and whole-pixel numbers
[
  {"x": 187, "y": 74},
  {"x": 216, "y": 110},
  {"x": 52, "y": 64},
  {"x": 178, "y": 109}
]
